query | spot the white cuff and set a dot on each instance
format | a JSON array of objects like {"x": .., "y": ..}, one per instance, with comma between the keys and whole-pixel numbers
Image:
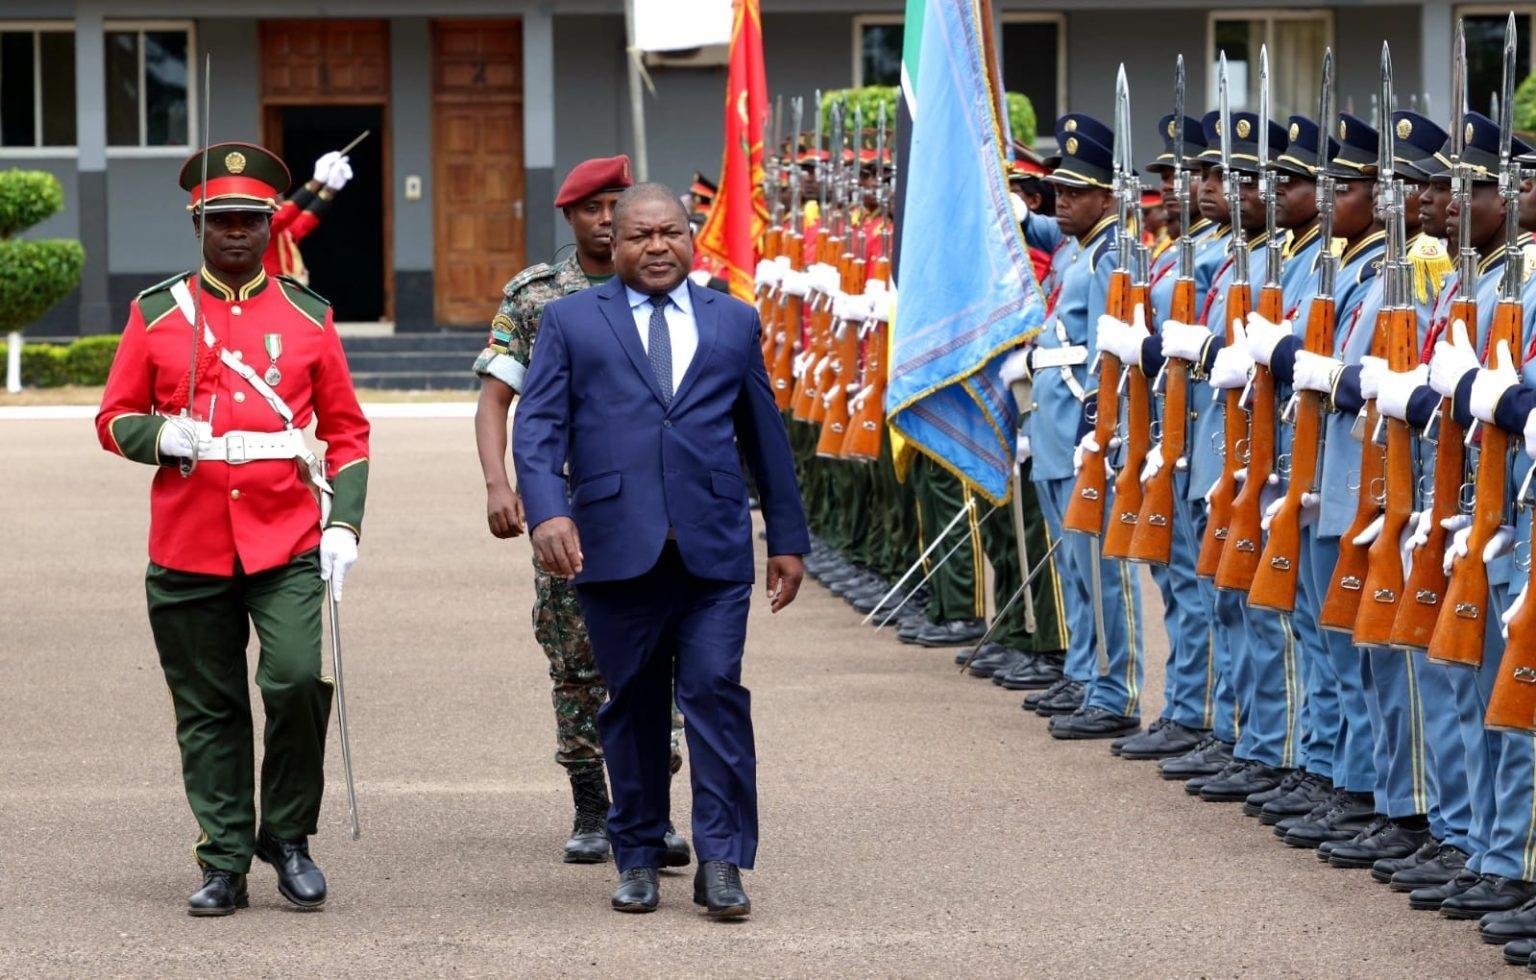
[{"x": 506, "y": 369}]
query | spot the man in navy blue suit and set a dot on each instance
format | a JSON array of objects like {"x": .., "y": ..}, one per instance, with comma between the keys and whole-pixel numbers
[{"x": 639, "y": 396}]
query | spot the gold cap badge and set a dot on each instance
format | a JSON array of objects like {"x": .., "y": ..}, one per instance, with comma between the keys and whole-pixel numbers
[
  {"x": 1343, "y": 129},
  {"x": 1070, "y": 126},
  {"x": 1171, "y": 129},
  {"x": 1243, "y": 129},
  {"x": 1404, "y": 128},
  {"x": 1470, "y": 130},
  {"x": 1295, "y": 130},
  {"x": 1072, "y": 144},
  {"x": 235, "y": 162}
]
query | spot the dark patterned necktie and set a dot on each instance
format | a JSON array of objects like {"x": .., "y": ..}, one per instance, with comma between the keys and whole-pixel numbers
[{"x": 660, "y": 347}]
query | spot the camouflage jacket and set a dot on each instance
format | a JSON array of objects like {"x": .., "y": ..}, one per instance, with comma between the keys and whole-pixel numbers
[{"x": 523, "y": 299}]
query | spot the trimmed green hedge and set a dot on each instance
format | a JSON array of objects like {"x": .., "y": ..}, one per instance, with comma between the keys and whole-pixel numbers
[
  {"x": 1021, "y": 113},
  {"x": 84, "y": 362},
  {"x": 34, "y": 275},
  {"x": 27, "y": 197}
]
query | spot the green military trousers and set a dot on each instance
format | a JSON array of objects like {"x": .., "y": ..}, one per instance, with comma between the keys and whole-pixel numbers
[
  {"x": 957, "y": 580},
  {"x": 202, "y": 624},
  {"x": 1000, "y": 541}
]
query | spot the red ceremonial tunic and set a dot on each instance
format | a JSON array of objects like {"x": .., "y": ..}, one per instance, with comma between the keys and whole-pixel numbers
[
  {"x": 262, "y": 512},
  {"x": 290, "y": 224}
]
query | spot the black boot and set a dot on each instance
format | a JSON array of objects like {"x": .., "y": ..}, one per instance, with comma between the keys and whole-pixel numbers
[
  {"x": 1349, "y": 814},
  {"x": 989, "y": 658},
  {"x": 1509, "y": 926},
  {"x": 1067, "y": 699},
  {"x": 1308, "y": 792},
  {"x": 589, "y": 834},
  {"x": 1430, "y": 899},
  {"x": 1207, "y": 758},
  {"x": 1394, "y": 840},
  {"x": 1163, "y": 740},
  {"x": 1518, "y": 953},
  {"x": 717, "y": 887},
  {"x": 1034, "y": 674},
  {"x": 1384, "y": 869},
  {"x": 950, "y": 633},
  {"x": 298, "y": 879},
  {"x": 222, "y": 893},
  {"x": 1255, "y": 777},
  {"x": 678, "y": 853},
  {"x": 1493, "y": 893},
  {"x": 1447, "y": 863}
]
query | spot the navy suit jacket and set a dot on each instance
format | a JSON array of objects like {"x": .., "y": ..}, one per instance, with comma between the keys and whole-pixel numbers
[{"x": 591, "y": 408}]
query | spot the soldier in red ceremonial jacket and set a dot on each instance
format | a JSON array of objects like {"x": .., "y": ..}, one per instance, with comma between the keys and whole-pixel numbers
[{"x": 236, "y": 538}]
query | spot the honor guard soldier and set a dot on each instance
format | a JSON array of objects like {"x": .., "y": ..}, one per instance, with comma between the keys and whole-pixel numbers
[
  {"x": 300, "y": 213},
  {"x": 586, "y": 198},
  {"x": 236, "y": 537}
]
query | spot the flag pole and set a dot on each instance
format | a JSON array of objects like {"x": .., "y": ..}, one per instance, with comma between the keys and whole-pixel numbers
[{"x": 636, "y": 96}]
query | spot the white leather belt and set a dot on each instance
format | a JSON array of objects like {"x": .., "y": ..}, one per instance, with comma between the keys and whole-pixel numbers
[
  {"x": 238, "y": 447},
  {"x": 1050, "y": 357}
]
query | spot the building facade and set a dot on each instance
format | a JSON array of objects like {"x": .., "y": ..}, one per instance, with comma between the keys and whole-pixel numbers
[{"x": 476, "y": 108}]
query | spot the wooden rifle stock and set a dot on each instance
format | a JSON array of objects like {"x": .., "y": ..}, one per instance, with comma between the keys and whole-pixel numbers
[
  {"x": 1463, "y": 622},
  {"x": 767, "y": 309},
  {"x": 1341, "y": 604},
  {"x": 866, "y": 430},
  {"x": 1427, "y": 583},
  {"x": 1385, "y": 581},
  {"x": 1138, "y": 442},
  {"x": 1153, "y": 539},
  {"x": 1085, "y": 512},
  {"x": 823, "y": 378},
  {"x": 1240, "y": 552},
  {"x": 844, "y": 369},
  {"x": 1219, "y": 522},
  {"x": 1275, "y": 580},
  {"x": 1512, "y": 706},
  {"x": 814, "y": 348}
]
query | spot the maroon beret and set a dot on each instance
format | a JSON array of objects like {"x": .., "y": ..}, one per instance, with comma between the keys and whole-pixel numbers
[{"x": 594, "y": 177}]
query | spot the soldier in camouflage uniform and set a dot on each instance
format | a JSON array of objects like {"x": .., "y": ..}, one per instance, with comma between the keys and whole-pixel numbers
[{"x": 586, "y": 198}]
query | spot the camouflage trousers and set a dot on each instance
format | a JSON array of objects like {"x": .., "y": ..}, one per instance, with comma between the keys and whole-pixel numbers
[{"x": 578, "y": 687}]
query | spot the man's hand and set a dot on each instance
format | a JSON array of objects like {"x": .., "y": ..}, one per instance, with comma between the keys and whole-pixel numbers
[
  {"x": 558, "y": 547},
  {"x": 338, "y": 553},
  {"x": 504, "y": 512},
  {"x": 784, "y": 575}
]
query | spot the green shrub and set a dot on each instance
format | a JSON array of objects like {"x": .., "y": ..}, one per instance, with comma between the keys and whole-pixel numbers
[
  {"x": 1021, "y": 118},
  {"x": 34, "y": 276},
  {"x": 87, "y": 360},
  {"x": 42, "y": 365},
  {"x": 27, "y": 197},
  {"x": 1021, "y": 113}
]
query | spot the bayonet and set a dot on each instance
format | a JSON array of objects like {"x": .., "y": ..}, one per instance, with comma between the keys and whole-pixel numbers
[
  {"x": 1181, "y": 176},
  {"x": 1231, "y": 182},
  {"x": 1327, "y": 111},
  {"x": 796, "y": 185},
  {"x": 1509, "y": 173},
  {"x": 1124, "y": 169},
  {"x": 1273, "y": 246},
  {"x": 816, "y": 163}
]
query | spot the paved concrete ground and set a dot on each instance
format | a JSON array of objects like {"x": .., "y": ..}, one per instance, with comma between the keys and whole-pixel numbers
[{"x": 915, "y": 822}]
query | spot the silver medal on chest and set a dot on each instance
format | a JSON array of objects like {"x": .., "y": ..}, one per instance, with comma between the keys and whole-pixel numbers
[{"x": 274, "y": 345}]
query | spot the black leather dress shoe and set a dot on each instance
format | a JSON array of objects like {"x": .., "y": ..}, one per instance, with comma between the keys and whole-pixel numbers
[
  {"x": 1318, "y": 811},
  {"x": 1493, "y": 893},
  {"x": 951, "y": 633},
  {"x": 991, "y": 657},
  {"x": 1374, "y": 826},
  {"x": 298, "y": 879},
  {"x": 1017, "y": 659},
  {"x": 1518, "y": 953},
  {"x": 678, "y": 853},
  {"x": 1032, "y": 701},
  {"x": 1037, "y": 673},
  {"x": 908, "y": 630},
  {"x": 1067, "y": 700},
  {"x": 222, "y": 893},
  {"x": 866, "y": 603},
  {"x": 1255, "y": 777},
  {"x": 1092, "y": 723},
  {"x": 1209, "y": 757},
  {"x": 1346, "y": 816},
  {"x": 1447, "y": 863},
  {"x": 856, "y": 584},
  {"x": 1431, "y": 898},
  {"x": 1195, "y": 784},
  {"x": 1164, "y": 739},
  {"x": 1385, "y": 868},
  {"x": 1392, "y": 841},
  {"x": 1298, "y": 801},
  {"x": 638, "y": 891},
  {"x": 717, "y": 887},
  {"x": 1506, "y": 927}
]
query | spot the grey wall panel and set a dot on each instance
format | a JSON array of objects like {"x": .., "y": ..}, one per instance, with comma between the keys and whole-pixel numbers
[
  {"x": 1357, "y": 35},
  {"x": 236, "y": 52},
  {"x": 410, "y": 127}
]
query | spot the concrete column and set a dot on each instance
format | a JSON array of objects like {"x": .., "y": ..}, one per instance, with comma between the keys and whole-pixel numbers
[
  {"x": 1437, "y": 35},
  {"x": 539, "y": 133},
  {"x": 91, "y": 174},
  {"x": 410, "y": 131}
]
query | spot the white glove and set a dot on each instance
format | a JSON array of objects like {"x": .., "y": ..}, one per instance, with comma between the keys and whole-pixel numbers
[
  {"x": 883, "y": 305},
  {"x": 1452, "y": 360},
  {"x": 1015, "y": 366},
  {"x": 1501, "y": 544},
  {"x": 1184, "y": 340},
  {"x": 1368, "y": 537},
  {"x": 338, "y": 553},
  {"x": 794, "y": 282},
  {"x": 1020, "y": 209},
  {"x": 341, "y": 172},
  {"x": 825, "y": 278},
  {"x": 767, "y": 273},
  {"x": 1491, "y": 383},
  {"x": 1418, "y": 529},
  {"x": 1309, "y": 508},
  {"x": 324, "y": 164},
  {"x": 1233, "y": 362},
  {"x": 1530, "y": 434},
  {"x": 1460, "y": 527},
  {"x": 1264, "y": 337},
  {"x": 1316, "y": 373},
  {"x": 182, "y": 438},
  {"x": 1153, "y": 463},
  {"x": 1088, "y": 444},
  {"x": 1021, "y": 450},
  {"x": 851, "y": 306},
  {"x": 1371, "y": 371},
  {"x": 1396, "y": 388},
  {"x": 1405, "y": 543},
  {"x": 1119, "y": 339}
]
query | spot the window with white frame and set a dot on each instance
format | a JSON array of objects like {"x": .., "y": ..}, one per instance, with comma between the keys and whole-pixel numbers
[
  {"x": 37, "y": 85},
  {"x": 1295, "y": 39},
  {"x": 877, "y": 50},
  {"x": 149, "y": 97}
]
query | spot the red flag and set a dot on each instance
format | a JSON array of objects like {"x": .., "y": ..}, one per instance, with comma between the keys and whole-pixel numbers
[{"x": 728, "y": 241}]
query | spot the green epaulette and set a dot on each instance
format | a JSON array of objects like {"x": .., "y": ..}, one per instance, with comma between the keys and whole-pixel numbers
[
  {"x": 305, "y": 300},
  {"x": 156, "y": 301},
  {"x": 542, "y": 270}
]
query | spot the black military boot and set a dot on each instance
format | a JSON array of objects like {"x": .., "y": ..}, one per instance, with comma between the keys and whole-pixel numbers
[
  {"x": 717, "y": 887},
  {"x": 1504, "y": 927},
  {"x": 222, "y": 893},
  {"x": 1518, "y": 953},
  {"x": 1035, "y": 673},
  {"x": 678, "y": 854},
  {"x": 1385, "y": 868},
  {"x": 988, "y": 658},
  {"x": 1032, "y": 701},
  {"x": 1444, "y": 866},
  {"x": 1493, "y": 893},
  {"x": 1255, "y": 777},
  {"x": 1396, "y": 839},
  {"x": 950, "y": 633},
  {"x": 1308, "y": 792},
  {"x": 1016, "y": 659},
  {"x": 1253, "y": 804},
  {"x": 1067, "y": 700},
  {"x": 1163, "y": 739},
  {"x": 911, "y": 624},
  {"x": 1087, "y": 723},
  {"x": 1234, "y": 768},
  {"x": 298, "y": 879},
  {"x": 1209, "y": 757},
  {"x": 1431, "y": 898},
  {"x": 1349, "y": 814},
  {"x": 589, "y": 834}
]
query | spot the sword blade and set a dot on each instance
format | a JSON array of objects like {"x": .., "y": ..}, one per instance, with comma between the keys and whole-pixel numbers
[{"x": 334, "y": 606}]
